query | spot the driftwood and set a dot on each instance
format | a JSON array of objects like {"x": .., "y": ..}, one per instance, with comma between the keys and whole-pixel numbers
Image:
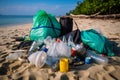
[
  {"x": 79, "y": 16},
  {"x": 111, "y": 16},
  {"x": 97, "y": 16}
]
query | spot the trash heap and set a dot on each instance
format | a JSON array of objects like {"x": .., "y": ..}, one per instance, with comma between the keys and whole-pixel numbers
[
  {"x": 72, "y": 48},
  {"x": 59, "y": 54},
  {"x": 52, "y": 50}
]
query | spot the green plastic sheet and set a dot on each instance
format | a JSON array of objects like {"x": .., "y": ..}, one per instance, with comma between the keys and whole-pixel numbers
[{"x": 97, "y": 42}]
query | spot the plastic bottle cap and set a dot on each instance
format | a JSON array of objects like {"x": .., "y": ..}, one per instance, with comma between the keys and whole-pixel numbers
[
  {"x": 45, "y": 49},
  {"x": 88, "y": 60},
  {"x": 58, "y": 40},
  {"x": 73, "y": 51}
]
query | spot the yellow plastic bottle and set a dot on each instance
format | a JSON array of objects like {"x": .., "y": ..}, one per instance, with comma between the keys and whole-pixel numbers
[{"x": 64, "y": 65}]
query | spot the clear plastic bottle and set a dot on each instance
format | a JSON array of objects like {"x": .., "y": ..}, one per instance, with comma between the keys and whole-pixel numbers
[
  {"x": 70, "y": 41},
  {"x": 64, "y": 39},
  {"x": 16, "y": 55},
  {"x": 80, "y": 48},
  {"x": 97, "y": 58},
  {"x": 35, "y": 46},
  {"x": 50, "y": 61}
]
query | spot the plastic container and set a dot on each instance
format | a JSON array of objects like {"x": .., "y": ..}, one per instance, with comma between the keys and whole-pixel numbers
[
  {"x": 80, "y": 49},
  {"x": 32, "y": 57},
  {"x": 34, "y": 47},
  {"x": 70, "y": 41},
  {"x": 50, "y": 61},
  {"x": 64, "y": 39},
  {"x": 97, "y": 58},
  {"x": 15, "y": 55},
  {"x": 38, "y": 58},
  {"x": 64, "y": 65},
  {"x": 41, "y": 59}
]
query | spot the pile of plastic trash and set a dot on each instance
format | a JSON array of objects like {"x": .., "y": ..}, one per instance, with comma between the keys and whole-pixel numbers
[
  {"x": 49, "y": 49},
  {"x": 52, "y": 50},
  {"x": 60, "y": 53}
]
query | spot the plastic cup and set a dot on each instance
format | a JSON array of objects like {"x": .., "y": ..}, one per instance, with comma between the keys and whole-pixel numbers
[
  {"x": 40, "y": 59},
  {"x": 64, "y": 65}
]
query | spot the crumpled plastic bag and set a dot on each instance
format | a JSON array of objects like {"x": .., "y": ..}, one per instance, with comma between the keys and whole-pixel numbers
[
  {"x": 59, "y": 50},
  {"x": 97, "y": 42}
]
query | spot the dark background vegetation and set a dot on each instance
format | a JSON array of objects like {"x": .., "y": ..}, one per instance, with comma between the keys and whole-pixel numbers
[{"x": 102, "y": 7}]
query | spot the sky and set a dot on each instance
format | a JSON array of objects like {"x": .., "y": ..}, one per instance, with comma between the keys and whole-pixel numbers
[{"x": 30, "y": 7}]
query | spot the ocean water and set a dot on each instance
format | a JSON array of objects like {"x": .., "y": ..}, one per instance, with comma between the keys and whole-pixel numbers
[{"x": 9, "y": 20}]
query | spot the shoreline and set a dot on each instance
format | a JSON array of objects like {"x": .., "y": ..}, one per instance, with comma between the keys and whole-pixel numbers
[{"x": 13, "y": 25}]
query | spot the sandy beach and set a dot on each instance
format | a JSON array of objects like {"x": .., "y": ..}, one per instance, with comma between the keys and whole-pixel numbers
[{"x": 22, "y": 70}]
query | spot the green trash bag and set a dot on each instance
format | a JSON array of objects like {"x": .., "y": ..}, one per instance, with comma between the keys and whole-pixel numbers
[
  {"x": 44, "y": 25},
  {"x": 97, "y": 42}
]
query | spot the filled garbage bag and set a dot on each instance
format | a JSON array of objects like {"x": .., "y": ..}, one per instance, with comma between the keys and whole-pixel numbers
[
  {"x": 44, "y": 25},
  {"x": 97, "y": 42}
]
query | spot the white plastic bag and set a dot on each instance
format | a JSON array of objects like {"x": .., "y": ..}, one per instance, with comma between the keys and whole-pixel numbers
[
  {"x": 49, "y": 41},
  {"x": 63, "y": 50},
  {"x": 59, "y": 50},
  {"x": 52, "y": 50}
]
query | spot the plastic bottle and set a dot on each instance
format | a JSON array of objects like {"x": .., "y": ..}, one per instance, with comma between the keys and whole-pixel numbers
[
  {"x": 64, "y": 39},
  {"x": 97, "y": 58},
  {"x": 38, "y": 58},
  {"x": 80, "y": 49},
  {"x": 16, "y": 55},
  {"x": 64, "y": 65},
  {"x": 50, "y": 61},
  {"x": 35, "y": 46},
  {"x": 70, "y": 41},
  {"x": 32, "y": 57}
]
